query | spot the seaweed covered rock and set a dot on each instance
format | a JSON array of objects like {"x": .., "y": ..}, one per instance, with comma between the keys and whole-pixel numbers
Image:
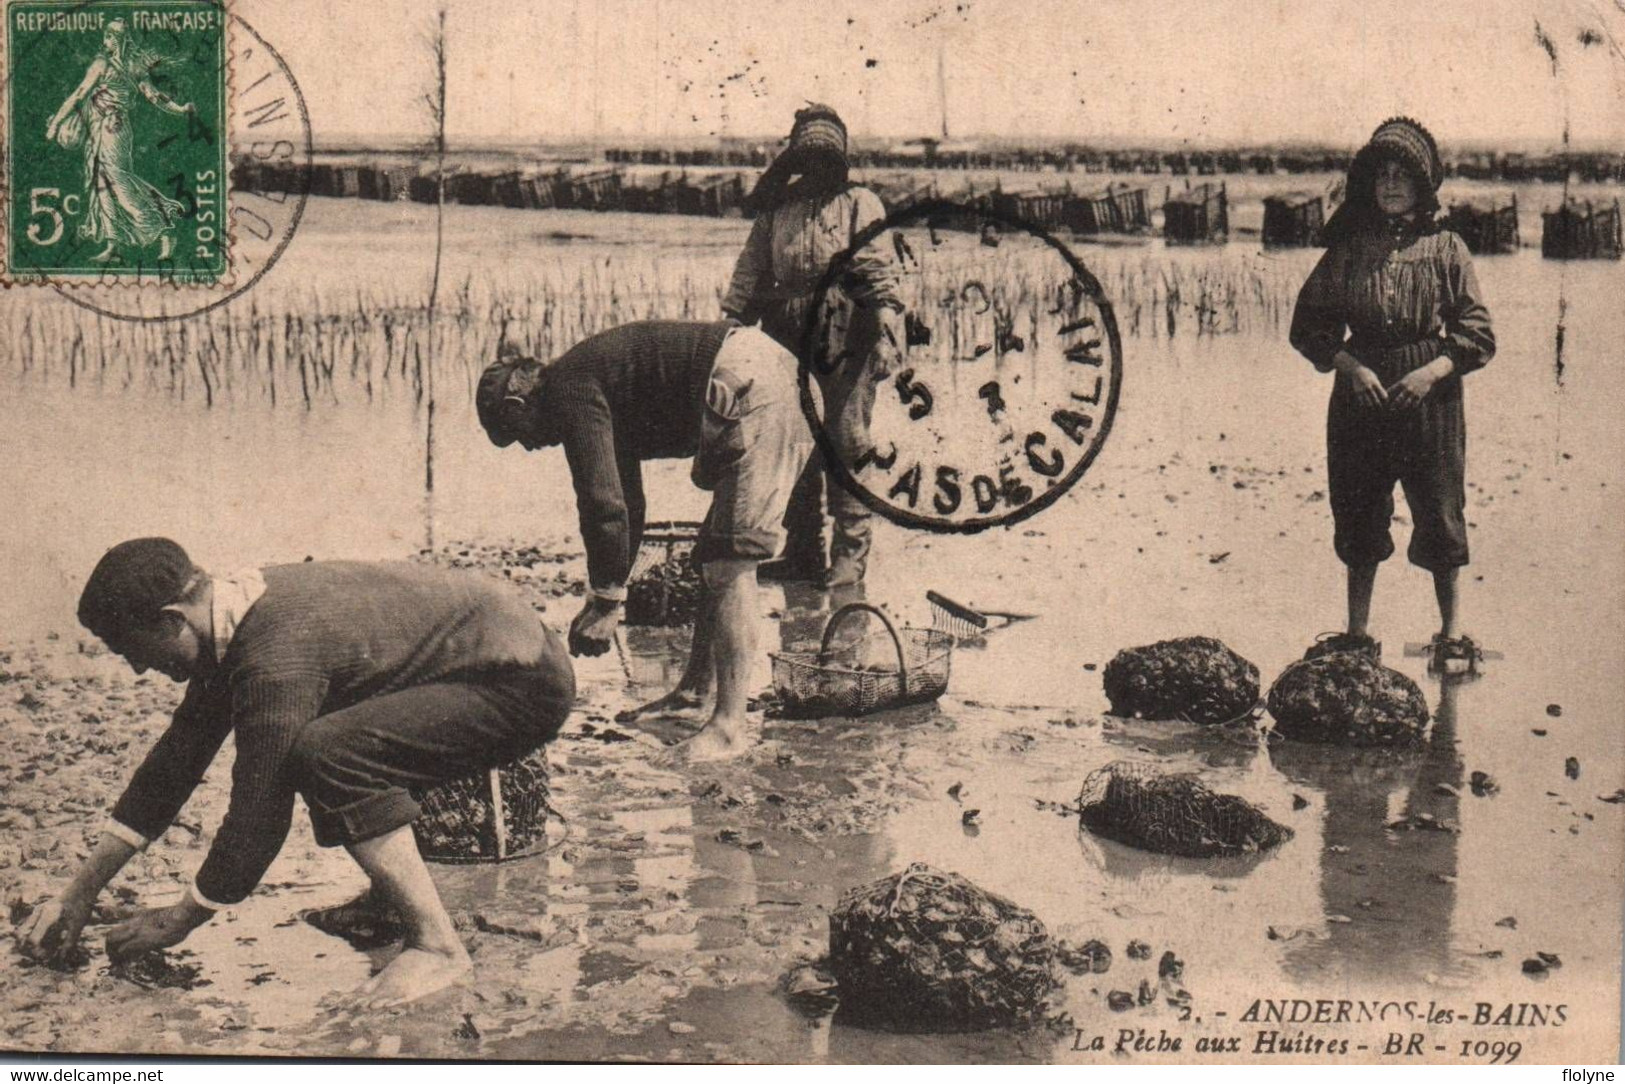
[
  {"x": 1136, "y": 804},
  {"x": 1348, "y": 699},
  {"x": 1194, "y": 678},
  {"x": 924, "y": 949},
  {"x": 457, "y": 821}
]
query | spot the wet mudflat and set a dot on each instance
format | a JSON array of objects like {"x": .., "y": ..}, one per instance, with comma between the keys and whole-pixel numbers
[{"x": 664, "y": 922}]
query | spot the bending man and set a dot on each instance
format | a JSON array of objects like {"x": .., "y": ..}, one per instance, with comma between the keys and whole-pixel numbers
[
  {"x": 349, "y": 684},
  {"x": 722, "y": 393}
]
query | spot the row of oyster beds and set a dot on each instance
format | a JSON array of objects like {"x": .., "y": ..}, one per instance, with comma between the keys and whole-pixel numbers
[{"x": 1574, "y": 229}]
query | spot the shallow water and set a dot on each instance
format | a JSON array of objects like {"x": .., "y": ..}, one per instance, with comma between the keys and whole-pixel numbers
[{"x": 681, "y": 896}]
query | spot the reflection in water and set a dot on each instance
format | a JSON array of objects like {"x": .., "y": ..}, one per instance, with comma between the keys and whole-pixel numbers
[{"x": 1389, "y": 895}]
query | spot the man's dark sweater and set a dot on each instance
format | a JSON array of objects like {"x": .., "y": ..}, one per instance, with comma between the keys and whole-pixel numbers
[
  {"x": 632, "y": 393},
  {"x": 324, "y": 636}
]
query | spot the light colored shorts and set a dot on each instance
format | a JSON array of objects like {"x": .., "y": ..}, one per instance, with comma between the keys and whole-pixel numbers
[{"x": 754, "y": 441}]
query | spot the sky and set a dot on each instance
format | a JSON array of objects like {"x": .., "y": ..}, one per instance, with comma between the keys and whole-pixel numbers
[{"x": 1206, "y": 73}]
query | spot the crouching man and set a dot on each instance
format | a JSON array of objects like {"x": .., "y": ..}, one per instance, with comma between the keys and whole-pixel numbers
[
  {"x": 726, "y": 395},
  {"x": 348, "y": 684}
]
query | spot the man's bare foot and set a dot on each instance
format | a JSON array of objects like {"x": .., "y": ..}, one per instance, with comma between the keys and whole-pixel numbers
[
  {"x": 677, "y": 704},
  {"x": 415, "y": 973},
  {"x": 718, "y": 741}
]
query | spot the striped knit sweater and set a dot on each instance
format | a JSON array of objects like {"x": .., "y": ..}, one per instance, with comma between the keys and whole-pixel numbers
[
  {"x": 324, "y": 636},
  {"x": 631, "y": 393},
  {"x": 1396, "y": 299}
]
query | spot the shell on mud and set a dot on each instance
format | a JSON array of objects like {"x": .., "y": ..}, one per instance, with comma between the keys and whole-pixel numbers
[
  {"x": 1348, "y": 699},
  {"x": 1089, "y": 958},
  {"x": 926, "y": 950},
  {"x": 1194, "y": 678},
  {"x": 811, "y": 989}
]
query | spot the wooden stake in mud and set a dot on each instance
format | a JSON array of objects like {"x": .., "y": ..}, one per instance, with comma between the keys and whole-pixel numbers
[
  {"x": 437, "y": 112},
  {"x": 498, "y": 814}
]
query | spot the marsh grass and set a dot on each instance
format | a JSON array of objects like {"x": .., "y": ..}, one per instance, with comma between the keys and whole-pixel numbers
[{"x": 305, "y": 347}]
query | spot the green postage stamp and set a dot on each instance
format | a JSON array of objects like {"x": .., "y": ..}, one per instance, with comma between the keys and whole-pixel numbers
[{"x": 116, "y": 142}]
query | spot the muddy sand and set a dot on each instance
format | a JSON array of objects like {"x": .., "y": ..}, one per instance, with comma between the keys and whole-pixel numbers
[{"x": 677, "y": 902}]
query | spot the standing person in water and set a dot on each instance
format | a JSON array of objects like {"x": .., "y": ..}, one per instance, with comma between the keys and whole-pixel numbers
[
  {"x": 1393, "y": 307},
  {"x": 348, "y": 684},
  {"x": 808, "y": 213}
]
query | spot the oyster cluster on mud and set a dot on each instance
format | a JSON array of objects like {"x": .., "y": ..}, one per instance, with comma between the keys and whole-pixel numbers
[
  {"x": 1194, "y": 678},
  {"x": 1346, "y": 698},
  {"x": 928, "y": 949}
]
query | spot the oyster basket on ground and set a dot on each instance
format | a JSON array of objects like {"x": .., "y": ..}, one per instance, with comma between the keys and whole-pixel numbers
[
  {"x": 492, "y": 816},
  {"x": 664, "y": 587},
  {"x": 1136, "y": 804},
  {"x": 832, "y": 682},
  {"x": 924, "y": 949}
]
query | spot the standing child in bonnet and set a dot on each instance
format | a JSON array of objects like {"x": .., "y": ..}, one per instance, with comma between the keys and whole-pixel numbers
[{"x": 1394, "y": 309}]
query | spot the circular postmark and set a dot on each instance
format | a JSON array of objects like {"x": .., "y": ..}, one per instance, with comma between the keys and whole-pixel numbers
[
  {"x": 135, "y": 192},
  {"x": 1002, "y": 394}
]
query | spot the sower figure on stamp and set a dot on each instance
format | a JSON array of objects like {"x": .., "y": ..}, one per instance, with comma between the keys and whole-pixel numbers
[
  {"x": 348, "y": 684},
  {"x": 725, "y": 395},
  {"x": 808, "y": 213},
  {"x": 120, "y": 207},
  {"x": 1394, "y": 308}
]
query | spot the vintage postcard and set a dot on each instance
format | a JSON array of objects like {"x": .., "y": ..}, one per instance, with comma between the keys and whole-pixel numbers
[{"x": 813, "y": 532}]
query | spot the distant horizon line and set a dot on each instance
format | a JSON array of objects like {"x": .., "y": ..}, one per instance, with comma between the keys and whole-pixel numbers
[{"x": 382, "y": 142}]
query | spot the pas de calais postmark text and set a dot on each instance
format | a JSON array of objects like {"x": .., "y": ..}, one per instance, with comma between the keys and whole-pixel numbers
[
  {"x": 1005, "y": 374},
  {"x": 115, "y": 140}
]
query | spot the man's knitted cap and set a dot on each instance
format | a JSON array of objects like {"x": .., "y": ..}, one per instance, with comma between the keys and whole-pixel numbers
[
  {"x": 131, "y": 583},
  {"x": 503, "y": 398},
  {"x": 1407, "y": 141}
]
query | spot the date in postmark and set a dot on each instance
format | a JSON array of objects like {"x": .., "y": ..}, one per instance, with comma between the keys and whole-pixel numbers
[
  {"x": 1006, "y": 387},
  {"x": 116, "y": 142}
]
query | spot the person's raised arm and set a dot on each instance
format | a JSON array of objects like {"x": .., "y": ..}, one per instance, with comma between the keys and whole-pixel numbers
[
  {"x": 165, "y": 102},
  {"x": 93, "y": 73}
]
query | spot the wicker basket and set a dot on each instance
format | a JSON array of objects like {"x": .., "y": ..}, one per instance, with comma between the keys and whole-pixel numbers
[
  {"x": 664, "y": 587},
  {"x": 812, "y": 686},
  {"x": 491, "y": 816}
]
